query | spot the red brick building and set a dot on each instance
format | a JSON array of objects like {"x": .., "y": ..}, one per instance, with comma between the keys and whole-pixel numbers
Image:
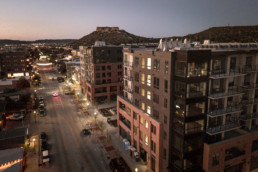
[{"x": 101, "y": 72}]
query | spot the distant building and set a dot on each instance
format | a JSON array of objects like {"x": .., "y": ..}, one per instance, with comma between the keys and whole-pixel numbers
[
  {"x": 187, "y": 108},
  {"x": 101, "y": 72},
  {"x": 107, "y": 29},
  {"x": 14, "y": 63}
]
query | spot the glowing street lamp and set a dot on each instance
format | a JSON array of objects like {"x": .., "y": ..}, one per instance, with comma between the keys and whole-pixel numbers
[
  {"x": 35, "y": 116},
  {"x": 34, "y": 145},
  {"x": 136, "y": 169}
]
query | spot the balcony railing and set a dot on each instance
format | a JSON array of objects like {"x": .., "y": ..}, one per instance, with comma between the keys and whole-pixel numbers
[
  {"x": 224, "y": 111},
  {"x": 125, "y": 122},
  {"x": 233, "y": 153},
  {"x": 194, "y": 93},
  {"x": 197, "y": 73},
  {"x": 246, "y": 117},
  {"x": 222, "y": 128},
  {"x": 128, "y": 77},
  {"x": 252, "y": 68},
  {"x": 129, "y": 90},
  {"x": 224, "y": 73},
  {"x": 232, "y": 91},
  {"x": 249, "y": 86},
  {"x": 128, "y": 64}
]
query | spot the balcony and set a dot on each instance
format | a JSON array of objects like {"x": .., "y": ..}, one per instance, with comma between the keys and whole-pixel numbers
[
  {"x": 248, "y": 69},
  {"x": 128, "y": 89},
  {"x": 225, "y": 73},
  {"x": 249, "y": 86},
  {"x": 196, "y": 73},
  {"x": 194, "y": 93},
  {"x": 222, "y": 128},
  {"x": 232, "y": 91},
  {"x": 128, "y": 77},
  {"x": 246, "y": 117},
  {"x": 125, "y": 121},
  {"x": 224, "y": 111},
  {"x": 128, "y": 64}
]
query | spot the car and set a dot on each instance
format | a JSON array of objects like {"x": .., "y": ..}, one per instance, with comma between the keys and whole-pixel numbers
[
  {"x": 86, "y": 132},
  {"x": 41, "y": 103},
  {"x": 41, "y": 107},
  {"x": 16, "y": 116},
  {"x": 41, "y": 98},
  {"x": 43, "y": 135},
  {"x": 44, "y": 145},
  {"x": 42, "y": 113},
  {"x": 55, "y": 94}
]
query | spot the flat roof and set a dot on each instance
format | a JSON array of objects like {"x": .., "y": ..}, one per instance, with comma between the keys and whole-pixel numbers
[{"x": 9, "y": 155}]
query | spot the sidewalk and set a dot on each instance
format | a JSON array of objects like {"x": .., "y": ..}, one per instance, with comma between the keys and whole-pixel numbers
[{"x": 116, "y": 141}]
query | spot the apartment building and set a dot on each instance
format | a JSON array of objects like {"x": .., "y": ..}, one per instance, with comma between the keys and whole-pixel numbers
[
  {"x": 191, "y": 108},
  {"x": 232, "y": 121},
  {"x": 101, "y": 72},
  {"x": 15, "y": 63}
]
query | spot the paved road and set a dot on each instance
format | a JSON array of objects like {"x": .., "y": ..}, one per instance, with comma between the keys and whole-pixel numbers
[{"x": 69, "y": 150}]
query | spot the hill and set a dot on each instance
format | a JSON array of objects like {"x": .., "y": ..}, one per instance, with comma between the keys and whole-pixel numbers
[
  {"x": 227, "y": 34},
  {"x": 112, "y": 35}
]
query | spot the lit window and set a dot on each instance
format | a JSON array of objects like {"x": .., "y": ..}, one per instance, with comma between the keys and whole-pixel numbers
[
  {"x": 143, "y": 62},
  {"x": 143, "y": 92},
  {"x": 143, "y": 78},
  {"x": 146, "y": 124},
  {"x": 148, "y": 63},
  {"x": 149, "y": 95},
  {"x": 146, "y": 140},
  {"x": 149, "y": 80},
  {"x": 143, "y": 106},
  {"x": 149, "y": 110},
  {"x": 141, "y": 119}
]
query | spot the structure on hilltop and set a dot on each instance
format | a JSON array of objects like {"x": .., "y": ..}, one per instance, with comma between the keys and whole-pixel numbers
[{"x": 107, "y": 29}]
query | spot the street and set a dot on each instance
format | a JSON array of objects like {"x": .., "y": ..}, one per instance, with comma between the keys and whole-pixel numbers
[{"x": 63, "y": 123}]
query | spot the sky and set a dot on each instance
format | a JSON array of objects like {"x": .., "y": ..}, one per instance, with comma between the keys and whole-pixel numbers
[{"x": 73, "y": 19}]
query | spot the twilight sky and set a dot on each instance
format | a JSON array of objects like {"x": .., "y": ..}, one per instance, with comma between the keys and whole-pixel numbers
[{"x": 58, "y": 19}]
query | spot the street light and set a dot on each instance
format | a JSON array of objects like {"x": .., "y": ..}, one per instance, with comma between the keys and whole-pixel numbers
[
  {"x": 34, "y": 144},
  {"x": 35, "y": 115},
  {"x": 136, "y": 169},
  {"x": 95, "y": 116}
]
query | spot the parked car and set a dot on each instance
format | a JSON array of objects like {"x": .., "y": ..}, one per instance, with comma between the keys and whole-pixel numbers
[
  {"x": 43, "y": 136},
  {"x": 86, "y": 132},
  {"x": 41, "y": 103},
  {"x": 16, "y": 116},
  {"x": 41, "y": 98},
  {"x": 42, "y": 112}
]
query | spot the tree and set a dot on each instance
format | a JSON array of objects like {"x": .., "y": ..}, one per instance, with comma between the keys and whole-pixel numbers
[{"x": 22, "y": 83}]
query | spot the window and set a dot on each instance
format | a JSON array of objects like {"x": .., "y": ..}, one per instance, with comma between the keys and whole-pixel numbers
[
  {"x": 165, "y": 135},
  {"x": 97, "y": 68},
  {"x": 97, "y": 75},
  {"x": 136, "y": 89},
  {"x": 143, "y": 62},
  {"x": 215, "y": 159},
  {"x": 142, "y": 92},
  {"x": 119, "y": 66},
  {"x": 146, "y": 140},
  {"x": 143, "y": 106},
  {"x": 137, "y": 103},
  {"x": 141, "y": 119},
  {"x": 164, "y": 153},
  {"x": 136, "y": 61},
  {"x": 103, "y": 67},
  {"x": 143, "y": 78},
  {"x": 103, "y": 74},
  {"x": 165, "y": 102},
  {"x": 165, "y": 119},
  {"x": 153, "y": 129},
  {"x": 136, "y": 76},
  {"x": 119, "y": 73},
  {"x": 156, "y": 65},
  {"x": 134, "y": 130},
  {"x": 141, "y": 135},
  {"x": 149, "y": 95},
  {"x": 156, "y": 98},
  {"x": 149, "y": 80},
  {"x": 109, "y": 67},
  {"x": 149, "y": 110},
  {"x": 134, "y": 115},
  {"x": 146, "y": 124},
  {"x": 166, "y": 85},
  {"x": 148, "y": 63},
  {"x": 153, "y": 146},
  {"x": 156, "y": 82},
  {"x": 166, "y": 67},
  {"x": 156, "y": 114}
]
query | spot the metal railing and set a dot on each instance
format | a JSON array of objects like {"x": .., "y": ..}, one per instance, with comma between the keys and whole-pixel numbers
[
  {"x": 225, "y": 72},
  {"x": 249, "y": 85},
  {"x": 250, "y": 68},
  {"x": 128, "y": 77},
  {"x": 222, "y": 128},
  {"x": 227, "y": 110},
  {"x": 231, "y": 92},
  {"x": 128, "y": 64},
  {"x": 197, "y": 73},
  {"x": 246, "y": 117}
]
